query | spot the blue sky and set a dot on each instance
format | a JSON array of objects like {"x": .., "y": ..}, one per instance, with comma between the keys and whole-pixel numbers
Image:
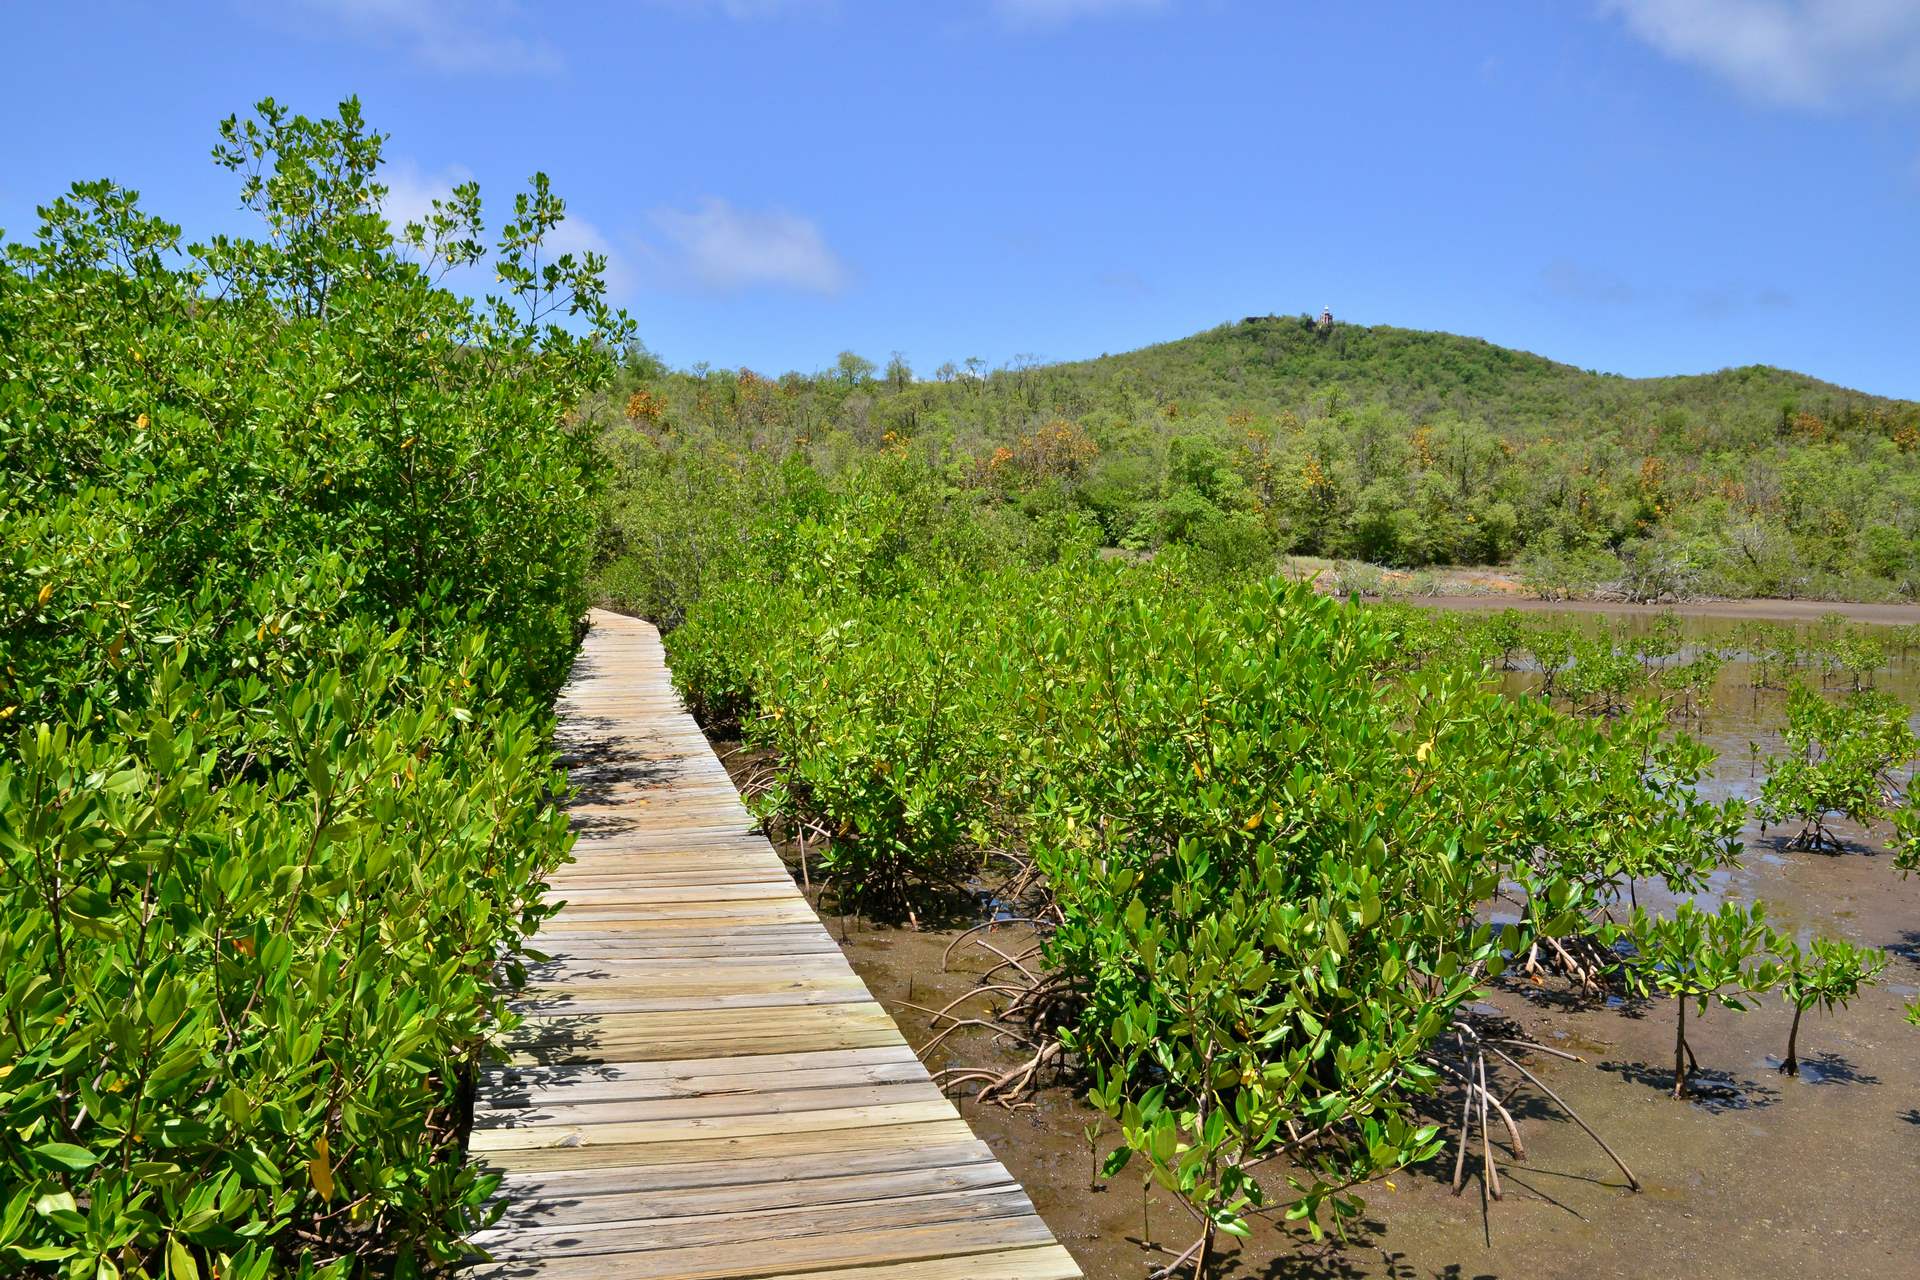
[{"x": 1644, "y": 186}]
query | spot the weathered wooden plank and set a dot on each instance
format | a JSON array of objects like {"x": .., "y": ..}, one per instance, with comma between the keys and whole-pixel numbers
[
  {"x": 722, "y": 967},
  {"x": 697, "y": 1128},
  {"x": 742, "y": 1260},
  {"x": 667, "y": 917},
  {"x": 1037, "y": 1262},
  {"x": 636, "y": 892},
  {"x": 702, "y": 1026},
  {"x": 619, "y": 980},
  {"x": 847, "y": 1141},
  {"x": 744, "y": 941},
  {"x": 668, "y": 977},
  {"x": 662, "y": 944},
  {"x": 560, "y": 1050},
  {"x": 646, "y": 1073},
  {"x": 779, "y": 1228},
  {"x": 789, "y": 1167},
  {"x": 636, "y": 1001},
  {"x": 701, "y": 1086},
  {"x": 761, "y": 1103},
  {"x": 537, "y": 1213}
]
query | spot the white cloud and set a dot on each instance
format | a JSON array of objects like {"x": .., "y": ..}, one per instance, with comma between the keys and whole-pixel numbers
[
  {"x": 445, "y": 35},
  {"x": 1805, "y": 53},
  {"x": 1717, "y": 302},
  {"x": 1565, "y": 280},
  {"x": 411, "y": 192},
  {"x": 716, "y": 246},
  {"x": 1129, "y": 284},
  {"x": 578, "y": 236}
]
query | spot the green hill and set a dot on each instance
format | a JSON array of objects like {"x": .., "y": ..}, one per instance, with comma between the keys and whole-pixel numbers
[
  {"x": 1273, "y": 436},
  {"x": 1283, "y": 360}
]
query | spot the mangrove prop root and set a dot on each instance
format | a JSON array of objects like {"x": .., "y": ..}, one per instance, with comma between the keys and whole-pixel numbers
[
  {"x": 1497, "y": 1104},
  {"x": 1189, "y": 1254},
  {"x": 1466, "y": 1133},
  {"x": 1588, "y": 972},
  {"x": 1014, "y": 962},
  {"x": 945, "y": 1010},
  {"x": 1011, "y": 1087},
  {"x": 1486, "y": 1132},
  {"x": 982, "y": 942},
  {"x": 987, "y": 1023},
  {"x": 947, "y": 956},
  {"x": 1528, "y": 1044},
  {"x": 1633, "y": 1183}
]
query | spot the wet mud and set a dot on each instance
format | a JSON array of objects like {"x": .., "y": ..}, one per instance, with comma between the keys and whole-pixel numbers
[
  {"x": 1725, "y": 610},
  {"x": 1756, "y": 1175}
]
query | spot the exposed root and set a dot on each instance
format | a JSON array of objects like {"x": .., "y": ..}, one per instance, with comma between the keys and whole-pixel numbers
[
  {"x": 1632, "y": 1182},
  {"x": 947, "y": 955},
  {"x": 1034, "y": 1011},
  {"x": 1580, "y": 958},
  {"x": 1011, "y": 1088},
  {"x": 1013, "y": 962},
  {"x": 1498, "y": 1106},
  {"x": 1815, "y": 838},
  {"x": 1470, "y": 1069},
  {"x": 988, "y": 1023},
  {"x": 1537, "y": 1048},
  {"x": 982, "y": 942},
  {"x": 1180, "y": 1260}
]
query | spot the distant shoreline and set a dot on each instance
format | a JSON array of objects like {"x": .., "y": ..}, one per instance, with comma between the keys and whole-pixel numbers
[{"x": 1771, "y": 610}]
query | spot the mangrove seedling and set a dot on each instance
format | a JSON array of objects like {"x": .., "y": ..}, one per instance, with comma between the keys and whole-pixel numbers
[
  {"x": 1693, "y": 957},
  {"x": 1825, "y": 973},
  {"x": 1506, "y": 635},
  {"x": 1906, "y": 836},
  {"x": 1551, "y": 647},
  {"x": 1693, "y": 681},
  {"x": 1841, "y": 758},
  {"x": 1602, "y": 678},
  {"x": 1659, "y": 642},
  {"x": 1858, "y": 656}
]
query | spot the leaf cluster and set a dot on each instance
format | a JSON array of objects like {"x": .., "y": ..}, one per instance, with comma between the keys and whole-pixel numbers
[{"x": 293, "y": 545}]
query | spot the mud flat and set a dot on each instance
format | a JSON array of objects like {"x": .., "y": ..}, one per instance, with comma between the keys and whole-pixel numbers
[
  {"x": 1761, "y": 1175},
  {"x": 1892, "y": 615},
  {"x": 1758, "y": 1175}
]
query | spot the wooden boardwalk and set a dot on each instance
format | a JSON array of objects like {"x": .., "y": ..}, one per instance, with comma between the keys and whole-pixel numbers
[{"x": 703, "y": 1088}]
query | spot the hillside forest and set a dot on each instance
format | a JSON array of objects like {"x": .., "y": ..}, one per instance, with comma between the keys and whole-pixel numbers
[{"x": 1280, "y": 436}]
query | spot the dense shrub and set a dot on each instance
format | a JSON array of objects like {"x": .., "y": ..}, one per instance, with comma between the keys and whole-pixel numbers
[
  {"x": 1269, "y": 438},
  {"x": 1842, "y": 757},
  {"x": 1263, "y": 823},
  {"x": 872, "y": 719},
  {"x": 294, "y": 547}
]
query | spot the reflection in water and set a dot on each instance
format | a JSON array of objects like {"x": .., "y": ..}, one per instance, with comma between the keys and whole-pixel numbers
[{"x": 1743, "y": 724}]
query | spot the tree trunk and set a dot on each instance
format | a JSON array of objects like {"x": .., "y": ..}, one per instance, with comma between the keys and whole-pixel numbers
[
  {"x": 1680, "y": 1051},
  {"x": 1792, "y": 1065}
]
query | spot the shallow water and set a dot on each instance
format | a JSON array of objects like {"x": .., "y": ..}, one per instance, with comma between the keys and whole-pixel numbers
[
  {"x": 1758, "y": 1175},
  {"x": 1743, "y": 722}
]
